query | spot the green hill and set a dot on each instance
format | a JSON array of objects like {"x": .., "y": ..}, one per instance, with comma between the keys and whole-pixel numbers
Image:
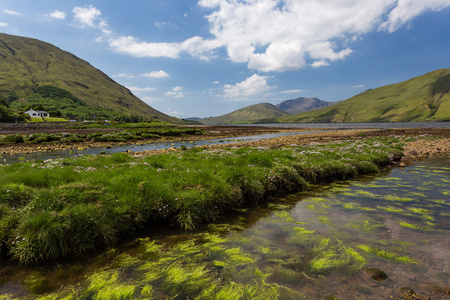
[
  {"x": 27, "y": 65},
  {"x": 302, "y": 104},
  {"x": 247, "y": 114},
  {"x": 423, "y": 98}
]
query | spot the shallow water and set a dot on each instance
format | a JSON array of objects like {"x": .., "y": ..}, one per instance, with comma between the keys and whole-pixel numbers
[
  {"x": 144, "y": 147},
  {"x": 304, "y": 246}
]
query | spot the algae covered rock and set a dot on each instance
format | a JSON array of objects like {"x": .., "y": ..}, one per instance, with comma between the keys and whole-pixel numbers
[{"x": 376, "y": 274}]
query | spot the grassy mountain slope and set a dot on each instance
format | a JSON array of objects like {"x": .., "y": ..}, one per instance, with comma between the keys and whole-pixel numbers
[
  {"x": 247, "y": 114},
  {"x": 422, "y": 98},
  {"x": 302, "y": 104},
  {"x": 26, "y": 64}
]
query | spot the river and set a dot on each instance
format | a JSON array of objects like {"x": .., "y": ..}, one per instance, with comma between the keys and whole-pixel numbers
[{"x": 371, "y": 238}]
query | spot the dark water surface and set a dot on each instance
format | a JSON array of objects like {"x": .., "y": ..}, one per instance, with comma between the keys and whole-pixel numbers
[{"x": 304, "y": 246}]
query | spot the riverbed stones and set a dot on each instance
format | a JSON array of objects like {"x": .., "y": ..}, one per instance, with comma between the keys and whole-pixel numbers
[{"x": 376, "y": 274}]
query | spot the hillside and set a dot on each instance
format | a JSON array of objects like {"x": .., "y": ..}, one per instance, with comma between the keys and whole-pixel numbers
[
  {"x": 302, "y": 104},
  {"x": 247, "y": 114},
  {"x": 423, "y": 98},
  {"x": 27, "y": 64}
]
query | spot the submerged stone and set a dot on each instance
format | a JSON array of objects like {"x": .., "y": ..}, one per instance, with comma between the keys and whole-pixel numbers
[{"x": 376, "y": 274}]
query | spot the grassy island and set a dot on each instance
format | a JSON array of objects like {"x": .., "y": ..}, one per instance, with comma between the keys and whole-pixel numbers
[{"x": 55, "y": 208}]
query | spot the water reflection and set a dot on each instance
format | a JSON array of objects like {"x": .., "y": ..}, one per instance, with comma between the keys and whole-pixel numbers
[{"x": 304, "y": 246}]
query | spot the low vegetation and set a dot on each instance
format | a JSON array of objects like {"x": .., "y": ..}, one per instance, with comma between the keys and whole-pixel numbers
[
  {"x": 140, "y": 133},
  {"x": 55, "y": 208}
]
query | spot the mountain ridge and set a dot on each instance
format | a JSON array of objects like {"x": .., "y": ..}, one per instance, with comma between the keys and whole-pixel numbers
[
  {"x": 28, "y": 63},
  {"x": 421, "y": 98},
  {"x": 246, "y": 114}
]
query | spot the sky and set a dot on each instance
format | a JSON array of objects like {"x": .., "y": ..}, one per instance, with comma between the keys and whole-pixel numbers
[{"x": 202, "y": 58}]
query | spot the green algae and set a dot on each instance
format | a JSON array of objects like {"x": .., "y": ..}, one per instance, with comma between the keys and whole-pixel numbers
[
  {"x": 357, "y": 206},
  {"x": 397, "y": 198},
  {"x": 391, "y": 209},
  {"x": 331, "y": 255},
  {"x": 409, "y": 225},
  {"x": 365, "y": 226},
  {"x": 388, "y": 255}
]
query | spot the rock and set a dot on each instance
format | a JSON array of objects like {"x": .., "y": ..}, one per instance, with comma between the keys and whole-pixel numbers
[
  {"x": 402, "y": 164},
  {"x": 376, "y": 274}
]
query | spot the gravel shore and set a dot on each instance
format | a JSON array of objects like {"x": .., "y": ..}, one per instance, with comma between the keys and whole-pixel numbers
[{"x": 424, "y": 147}]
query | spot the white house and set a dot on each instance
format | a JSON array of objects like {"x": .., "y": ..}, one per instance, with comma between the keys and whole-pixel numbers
[{"x": 37, "y": 113}]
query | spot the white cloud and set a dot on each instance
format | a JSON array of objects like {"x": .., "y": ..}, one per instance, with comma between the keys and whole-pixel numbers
[
  {"x": 275, "y": 35},
  {"x": 320, "y": 63},
  {"x": 406, "y": 10},
  {"x": 2, "y": 24},
  {"x": 358, "y": 86},
  {"x": 135, "y": 89},
  {"x": 292, "y": 32},
  {"x": 124, "y": 75},
  {"x": 58, "y": 15},
  {"x": 11, "y": 12},
  {"x": 172, "y": 112},
  {"x": 292, "y": 91},
  {"x": 130, "y": 45},
  {"x": 176, "y": 92},
  {"x": 90, "y": 16},
  {"x": 156, "y": 74},
  {"x": 86, "y": 16},
  {"x": 251, "y": 86},
  {"x": 148, "y": 100}
]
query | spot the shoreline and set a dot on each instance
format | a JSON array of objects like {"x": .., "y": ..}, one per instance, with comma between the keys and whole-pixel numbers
[{"x": 413, "y": 150}]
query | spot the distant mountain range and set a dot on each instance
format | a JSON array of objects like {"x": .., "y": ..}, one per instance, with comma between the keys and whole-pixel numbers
[
  {"x": 27, "y": 65},
  {"x": 268, "y": 111},
  {"x": 422, "y": 98}
]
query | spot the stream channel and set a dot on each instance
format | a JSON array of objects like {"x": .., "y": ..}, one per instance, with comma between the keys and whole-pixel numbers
[
  {"x": 331, "y": 241},
  {"x": 145, "y": 147}
]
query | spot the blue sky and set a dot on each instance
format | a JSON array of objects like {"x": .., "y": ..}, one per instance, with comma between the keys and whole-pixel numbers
[{"x": 201, "y": 58}]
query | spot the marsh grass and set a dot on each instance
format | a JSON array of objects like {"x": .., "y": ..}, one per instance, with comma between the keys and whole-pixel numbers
[
  {"x": 138, "y": 133},
  {"x": 68, "y": 206}
]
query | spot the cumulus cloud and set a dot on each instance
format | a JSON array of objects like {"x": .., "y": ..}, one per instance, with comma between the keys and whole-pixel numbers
[
  {"x": 58, "y": 15},
  {"x": 2, "y": 24},
  {"x": 251, "y": 86},
  {"x": 195, "y": 46},
  {"x": 406, "y": 10},
  {"x": 156, "y": 74},
  {"x": 86, "y": 16},
  {"x": 275, "y": 35},
  {"x": 176, "y": 92},
  {"x": 90, "y": 16},
  {"x": 291, "y": 33}
]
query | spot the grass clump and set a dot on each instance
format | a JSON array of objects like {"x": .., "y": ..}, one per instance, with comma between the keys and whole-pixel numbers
[{"x": 68, "y": 206}]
